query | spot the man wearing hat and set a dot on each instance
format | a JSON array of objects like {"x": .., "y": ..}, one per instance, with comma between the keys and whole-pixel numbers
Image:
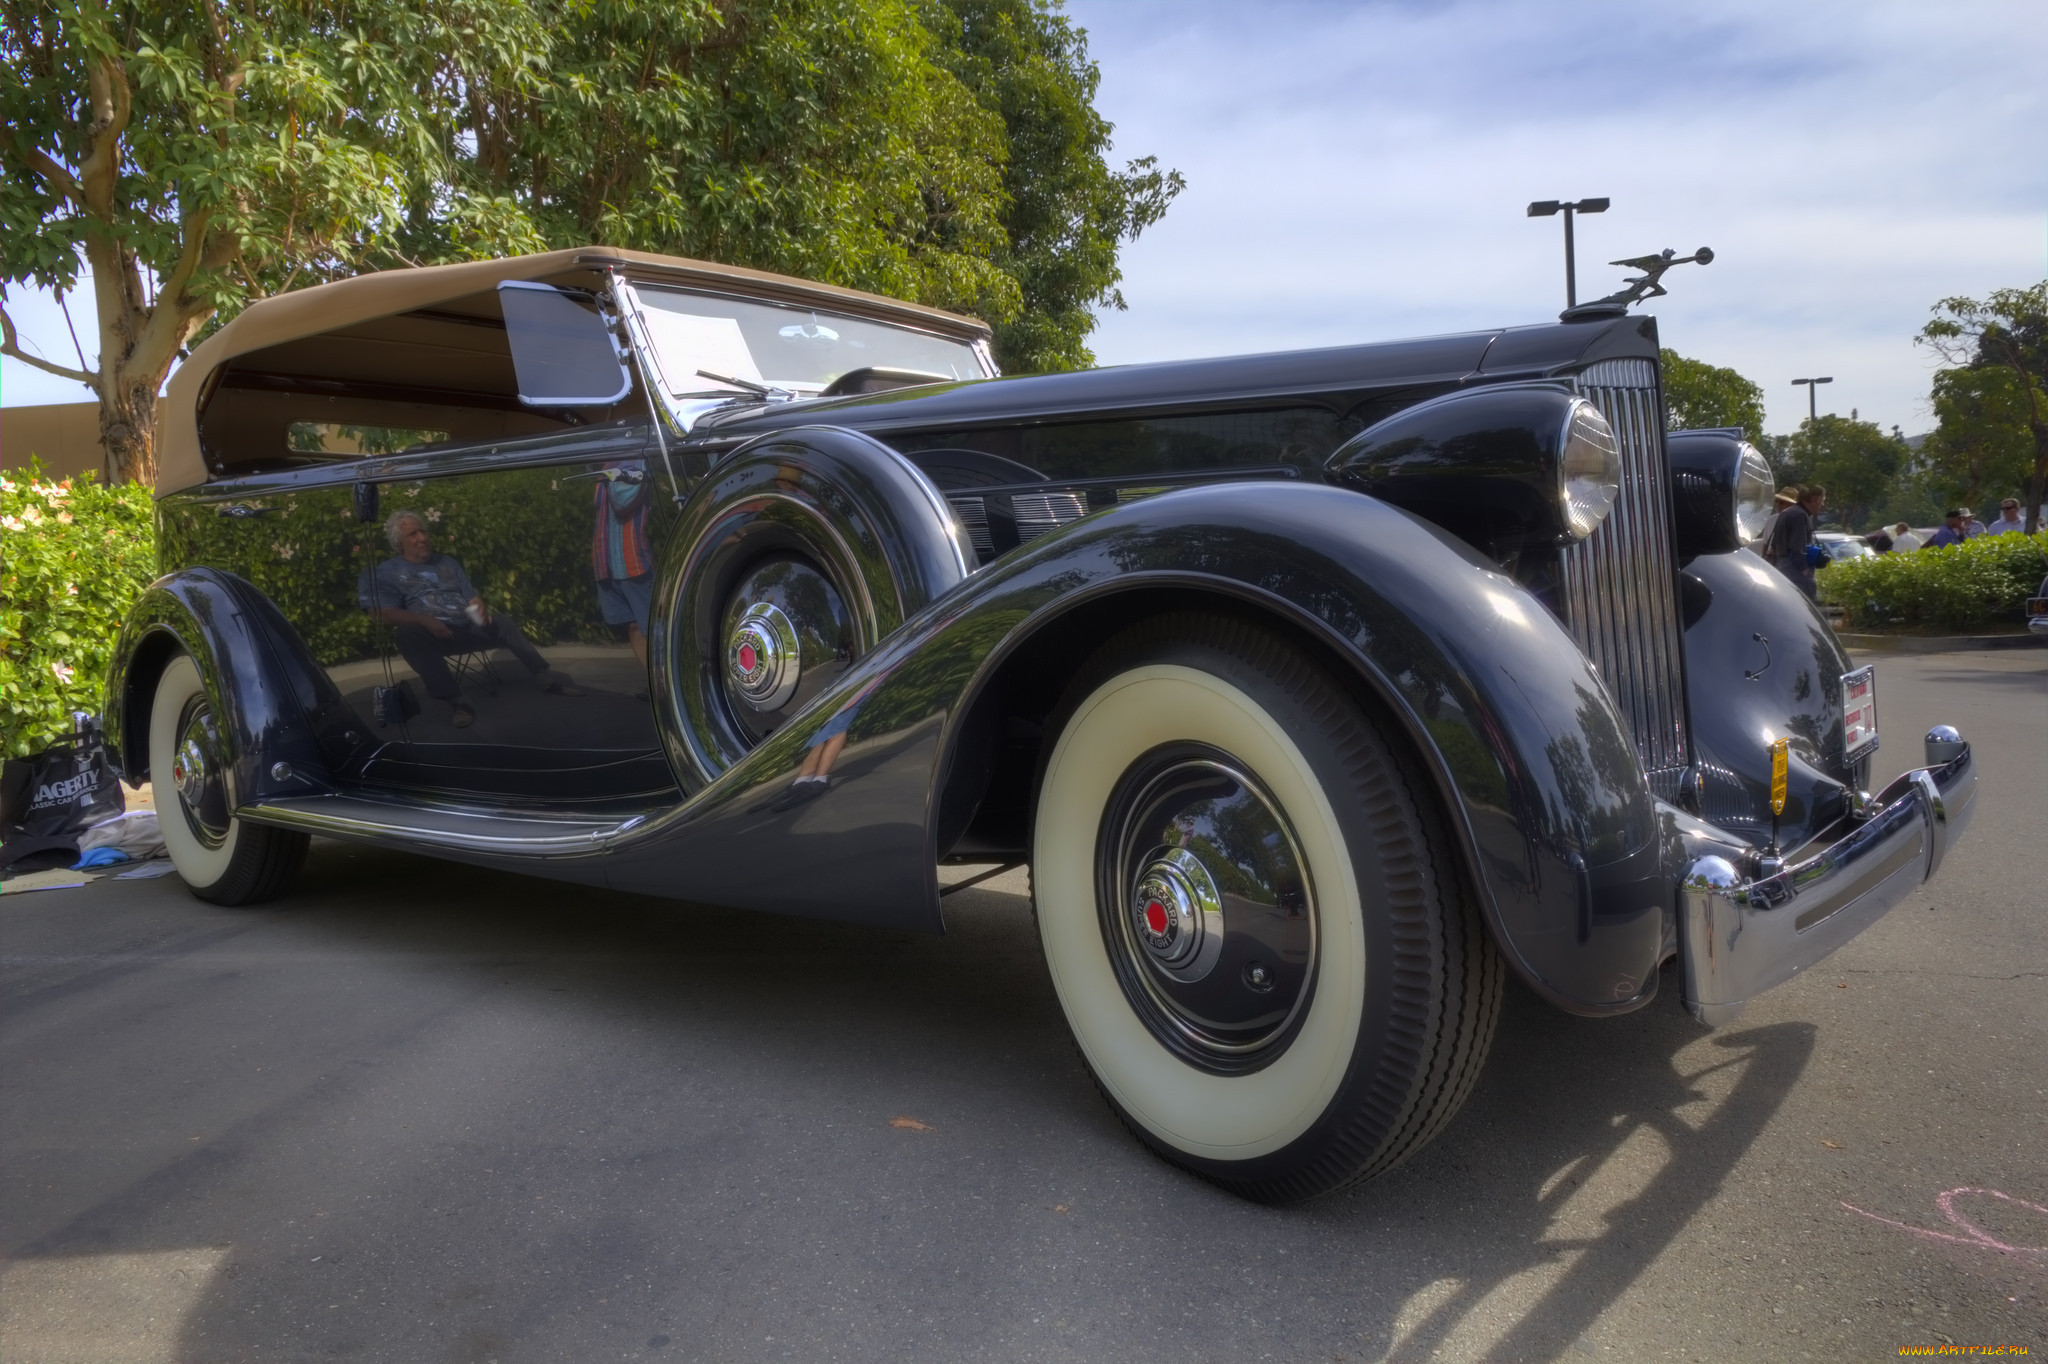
[
  {"x": 1790, "y": 544},
  {"x": 1954, "y": 531},
  {"x": 1780, "y": 500}
]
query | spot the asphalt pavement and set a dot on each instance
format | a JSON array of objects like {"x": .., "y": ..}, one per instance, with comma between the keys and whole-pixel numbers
[{"x": 420, "y": 1112}]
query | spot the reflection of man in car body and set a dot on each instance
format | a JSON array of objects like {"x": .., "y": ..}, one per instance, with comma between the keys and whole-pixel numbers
[{"x": 437, "y": 611}]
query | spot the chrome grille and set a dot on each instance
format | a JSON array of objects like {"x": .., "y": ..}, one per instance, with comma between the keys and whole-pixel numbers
[
  {"x": 972, "y": 514},
  {"x": 1038, "y": 513},
  {"x": 1621, "y": 582}
]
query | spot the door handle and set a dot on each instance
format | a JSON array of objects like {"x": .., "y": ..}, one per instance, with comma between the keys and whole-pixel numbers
[{"x": 242, "y": 511}]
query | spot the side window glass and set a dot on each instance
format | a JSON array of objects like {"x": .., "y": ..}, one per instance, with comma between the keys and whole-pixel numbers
[{"x": 562, "y": 349}]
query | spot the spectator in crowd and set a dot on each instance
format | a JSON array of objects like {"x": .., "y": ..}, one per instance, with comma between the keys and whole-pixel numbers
[
  {"x": 1780, "y": 500},
  {"x": 1791, "y": 545},
  {"x": 2009, "y": 521},
  {"x": 1953, "y": 531},
  {"x": 1972, "y": 527},
  {"x": 1903, "y": 539}
]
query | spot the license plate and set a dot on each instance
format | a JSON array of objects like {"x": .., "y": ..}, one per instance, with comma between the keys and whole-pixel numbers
[{"x": 1859, "y": 713}]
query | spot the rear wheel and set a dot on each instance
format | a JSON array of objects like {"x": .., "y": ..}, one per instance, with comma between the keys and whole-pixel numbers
[
  {"x": 1252, "y": 914},
  {"x": 223, "y": 859}
]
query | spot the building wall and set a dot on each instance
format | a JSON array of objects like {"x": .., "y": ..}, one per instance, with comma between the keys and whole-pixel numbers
[{"x": 65, "y": 436}]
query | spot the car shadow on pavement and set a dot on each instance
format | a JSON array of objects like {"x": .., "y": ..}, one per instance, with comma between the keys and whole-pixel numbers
[
  {"x": 452, "y": 1051},
  {"x": 1587, "y": 1149}
]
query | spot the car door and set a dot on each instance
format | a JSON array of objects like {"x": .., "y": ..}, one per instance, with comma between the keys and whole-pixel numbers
[{"x": 551, "y": 702}]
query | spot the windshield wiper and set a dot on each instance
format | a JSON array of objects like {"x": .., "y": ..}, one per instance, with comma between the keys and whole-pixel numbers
[{"x": 758, "y": 390}]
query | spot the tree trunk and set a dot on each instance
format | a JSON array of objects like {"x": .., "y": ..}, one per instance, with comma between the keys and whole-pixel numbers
[
  {"x": 128, "y": 425},
  {"x": 2038, "y": 484}
]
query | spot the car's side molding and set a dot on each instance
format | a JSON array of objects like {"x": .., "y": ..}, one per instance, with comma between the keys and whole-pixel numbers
[{"x": 275, "y": 703}]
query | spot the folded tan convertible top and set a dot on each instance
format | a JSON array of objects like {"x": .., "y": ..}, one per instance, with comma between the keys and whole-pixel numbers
[{"x": 326, "y": 307}]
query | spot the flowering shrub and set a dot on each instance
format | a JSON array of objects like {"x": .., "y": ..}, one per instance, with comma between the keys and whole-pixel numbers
[
  {"x": 73, "y": 554},
  {"x": 1985, "y": 581}
]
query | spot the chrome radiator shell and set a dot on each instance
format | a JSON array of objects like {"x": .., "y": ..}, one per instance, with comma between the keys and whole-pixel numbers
[{"x": 1620, "y": 584}]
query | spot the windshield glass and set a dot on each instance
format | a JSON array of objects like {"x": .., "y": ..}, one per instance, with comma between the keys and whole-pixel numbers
[{"x": 798, "y": 349}]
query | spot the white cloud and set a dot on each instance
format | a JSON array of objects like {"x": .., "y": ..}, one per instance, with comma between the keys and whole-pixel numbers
[{"x": 1359, "y": 172}]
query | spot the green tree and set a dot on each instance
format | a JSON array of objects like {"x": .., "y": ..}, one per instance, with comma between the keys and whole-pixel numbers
[
  {"x": 1697, "y": 395},
  {"x": 197, "y": 155},
  {"x": 1069, "y": 210},
  {"x": 1982, "y": 449},
  {"x": 2006, "y": 330},
  {"x": 1855, "y": 461},
  {"x": 815, "y": 137}
]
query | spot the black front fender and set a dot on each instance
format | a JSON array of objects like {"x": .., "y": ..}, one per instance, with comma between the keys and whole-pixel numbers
[
  {"x": 1534, "y": 766},
  {"x": 275, "y": 702}
]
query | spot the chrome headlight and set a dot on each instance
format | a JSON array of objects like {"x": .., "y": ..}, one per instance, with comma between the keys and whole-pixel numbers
[
  {"x": 1754, "y": 488},
  {"x": 1590, "y": 469},
  {"x": 1721, "y": 490},
  {"x": 1504, "y": 467}
]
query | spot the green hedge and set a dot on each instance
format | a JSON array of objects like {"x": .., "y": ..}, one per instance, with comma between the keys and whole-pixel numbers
[
  {"x": 73, "y": 554},
  {"x": 1983, "y": 582}
]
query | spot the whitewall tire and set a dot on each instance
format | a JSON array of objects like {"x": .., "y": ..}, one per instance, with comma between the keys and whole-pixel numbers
[
  {"x": 1232, "y": 866},
  {"x": 221, "y": 858}
]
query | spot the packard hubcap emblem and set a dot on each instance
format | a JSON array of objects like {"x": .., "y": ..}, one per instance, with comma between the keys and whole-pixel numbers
[
  {"x": 763, "y": 660},
  {"x": 1177, "y": 914},
  {"x": 188, "y": 771}
]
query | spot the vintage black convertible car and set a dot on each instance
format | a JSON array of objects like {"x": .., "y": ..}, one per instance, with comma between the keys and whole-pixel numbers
[{"x": 1318, "y": 690}]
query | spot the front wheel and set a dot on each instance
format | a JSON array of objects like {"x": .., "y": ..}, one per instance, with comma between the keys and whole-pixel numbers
[
  {"x": 223, "y": 859},
  {"x": 1253, "y": 915}
]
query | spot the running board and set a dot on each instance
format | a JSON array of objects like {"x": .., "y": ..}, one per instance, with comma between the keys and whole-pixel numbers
[{"x": 409, "y": 825}]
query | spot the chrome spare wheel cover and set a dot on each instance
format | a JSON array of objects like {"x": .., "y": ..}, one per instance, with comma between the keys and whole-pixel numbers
[
  {"x": 1206, "y": 908},
  {"x": 763, "y": 659},
  {"x": 196, "y": 775}
]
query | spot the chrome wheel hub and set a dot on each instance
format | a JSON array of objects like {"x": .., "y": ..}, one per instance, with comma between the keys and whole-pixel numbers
[
  {"x": 197, "y": 777},
  {"x": 763, "y": 658},
  {"x": 189, "y": 770},
  {"x": 1207, "y": 909},
  {"x": 1178, "y": 914}
]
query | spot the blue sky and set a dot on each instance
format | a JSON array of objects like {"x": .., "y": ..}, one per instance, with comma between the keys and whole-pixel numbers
[{"x": 1359, "y": 171}]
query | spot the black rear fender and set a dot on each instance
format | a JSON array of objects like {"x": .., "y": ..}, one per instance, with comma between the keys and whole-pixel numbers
[{"x": 259, "y": 677}]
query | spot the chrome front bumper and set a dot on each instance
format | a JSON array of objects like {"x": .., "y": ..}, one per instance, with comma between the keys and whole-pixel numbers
[{"x": 1739, "y": 936}]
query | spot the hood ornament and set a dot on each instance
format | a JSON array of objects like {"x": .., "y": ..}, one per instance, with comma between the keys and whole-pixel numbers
[{"x": 1649, "y": 284}]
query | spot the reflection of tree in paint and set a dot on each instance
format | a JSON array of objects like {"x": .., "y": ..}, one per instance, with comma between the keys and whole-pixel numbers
[{"x": 1585, "y": 764}]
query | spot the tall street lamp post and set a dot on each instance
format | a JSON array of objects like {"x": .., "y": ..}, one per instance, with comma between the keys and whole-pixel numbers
[
  {"x": 1547, "y": 208},
  {"x": 1813, "y": 387}
]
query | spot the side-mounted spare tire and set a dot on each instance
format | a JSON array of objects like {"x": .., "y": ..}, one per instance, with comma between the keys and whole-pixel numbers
[
  {"x": 1253, "y": 914},
  {"x": 220, "y": 857},
  {"x": 798, "y": 554}
]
